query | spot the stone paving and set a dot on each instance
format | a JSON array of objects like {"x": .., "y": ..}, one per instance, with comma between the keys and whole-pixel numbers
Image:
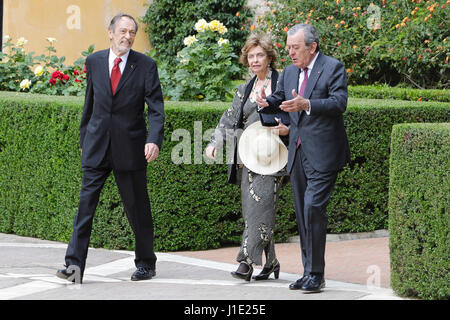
[{"x": 356, "y": 270}]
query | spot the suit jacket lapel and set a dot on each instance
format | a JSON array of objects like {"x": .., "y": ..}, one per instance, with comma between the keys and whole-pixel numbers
[
  {"x": 314, "y": 76},
  {"x": 128, "y": 70},
  {"x": 312, "y": 80},
  {"x": 104, "y": 69}
]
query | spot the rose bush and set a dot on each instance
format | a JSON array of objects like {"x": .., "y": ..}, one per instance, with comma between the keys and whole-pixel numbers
[
  {"x": 168, "y": 22},
  {"x": 45, "y": 73},
  {"x": 393, "y": 42},
  {"x": 205, "y": 65}
]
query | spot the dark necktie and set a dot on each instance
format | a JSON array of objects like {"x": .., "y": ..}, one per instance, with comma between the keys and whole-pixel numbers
[
  {"x": 115, "y": 74},
  {"x": 302, "y": 92}
]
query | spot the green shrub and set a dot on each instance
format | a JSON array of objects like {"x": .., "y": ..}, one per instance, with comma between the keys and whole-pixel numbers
[
  {"x": 386, "y": 92},
  {"x": 46, "y": 73},
  {"x": 168, "y": 22},
  {"x": 404, "y": 41},
  {"x": 205, "y": 65},
  {"x": 419, "y": 205},
  {"x": 395, "y": 93},
  {"x": 206, "y": 71},
  {"x": 40, "y": 178},
  {"x": 359, "y": 202},
  {"x": 40, "y": 175}
]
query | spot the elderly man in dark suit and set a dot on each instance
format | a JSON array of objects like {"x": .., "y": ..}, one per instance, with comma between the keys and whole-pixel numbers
[
  {"x": 314, "y": 92},
  {"x": 113, "y": 137}
]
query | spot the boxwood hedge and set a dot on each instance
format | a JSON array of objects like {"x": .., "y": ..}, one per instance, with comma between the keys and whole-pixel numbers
[
  {"x": 397, "y": 93},
  {"x": 193, "y": 206},
  {"x": 419, "y": 205}
]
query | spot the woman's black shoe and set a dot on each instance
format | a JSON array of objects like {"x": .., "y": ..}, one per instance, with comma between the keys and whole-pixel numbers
[
  {"x": 265, "y": 273},
  {"x": 244, "y": 271}
]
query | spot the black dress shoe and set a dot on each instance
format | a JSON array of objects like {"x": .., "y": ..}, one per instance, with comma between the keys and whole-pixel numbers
[
  {"x": 315, "y": 283},
  {"x": 143, "y": 273},
  {"x": 266, "y": 271},
  {"x": 69, "y": 275},
  {"x": 297, "y": 285},
  {"x": 244, "y": 271}
]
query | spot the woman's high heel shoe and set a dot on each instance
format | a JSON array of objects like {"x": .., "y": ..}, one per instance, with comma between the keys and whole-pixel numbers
[
  {"x": 244, "y": 271},
  {"x": 265, "y": 273}
]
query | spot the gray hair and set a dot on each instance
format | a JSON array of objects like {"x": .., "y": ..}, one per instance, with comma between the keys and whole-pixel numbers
[
  {"x": 117, "y": 17},
  {"x": 309, "y": 32}
]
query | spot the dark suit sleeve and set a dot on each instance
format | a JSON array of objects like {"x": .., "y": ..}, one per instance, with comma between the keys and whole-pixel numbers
[
  {"x": 276, "y": 98},
  {"x": 155, "y": 102},
  {"x": 336, "y": 102},
  {"x": 88, "y": 103}
]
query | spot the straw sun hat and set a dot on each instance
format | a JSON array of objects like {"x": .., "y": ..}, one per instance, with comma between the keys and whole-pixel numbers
[{"x": 261, "y": 150}]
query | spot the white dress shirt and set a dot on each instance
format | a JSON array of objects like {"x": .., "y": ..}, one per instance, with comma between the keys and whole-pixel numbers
[
  {"x": 113, "y": 57},
  {"x": 302, "y": 76}
]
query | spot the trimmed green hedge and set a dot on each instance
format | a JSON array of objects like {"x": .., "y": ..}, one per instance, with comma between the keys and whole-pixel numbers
[
  {"x": 386, "y": 92},
  {"x": 193, "y": 206},
  {"x": 40, "y": 176},
  {"x": 419, "y": 205},
  {"x": 360, "y": 200},
  {"x": 394, "y": 93}
]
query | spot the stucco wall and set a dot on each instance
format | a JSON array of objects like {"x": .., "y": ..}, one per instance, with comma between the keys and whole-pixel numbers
[{"x": 75, "y": 24}]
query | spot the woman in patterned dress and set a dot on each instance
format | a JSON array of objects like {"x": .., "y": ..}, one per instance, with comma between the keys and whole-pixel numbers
[{"x": 259, "y": 193}]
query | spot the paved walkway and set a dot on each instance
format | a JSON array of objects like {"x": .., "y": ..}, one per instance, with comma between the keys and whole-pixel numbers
[
  {"x": 356, "y": 270},
  {"x": 363, "y": 261}
]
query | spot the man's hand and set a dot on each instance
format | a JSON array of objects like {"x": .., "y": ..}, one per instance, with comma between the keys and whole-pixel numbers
[
  {"x": 281, "y": 129},
  {"x": 297, "y": 104},
  {"x": 210, "y": 152},
  {"x": 261, "y": 99},
  {"x": 151, "y": 152}
]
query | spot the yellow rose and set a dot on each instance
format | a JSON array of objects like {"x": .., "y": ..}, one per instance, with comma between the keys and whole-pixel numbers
[
  {"x": 188, "y": 41},
  {"x": 25, "y": 84},
  {"x": 201, "y": 25},
  {"x": 38, "y": 71},
  {"x": 51, "y": 40},
  {"x": 21, "y": 42},
  {"x": 222, "y": 42},
  {"x": 222, "y": 29},
  {"x": 214, "y": 25}
]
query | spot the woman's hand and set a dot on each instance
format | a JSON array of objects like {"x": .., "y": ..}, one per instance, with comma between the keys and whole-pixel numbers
[
  {"x": 281, "y": 129},
  {"x": 261, "y": 99}
]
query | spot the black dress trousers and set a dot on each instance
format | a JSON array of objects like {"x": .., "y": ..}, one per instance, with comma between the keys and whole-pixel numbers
[
  {"x": 133, "y": 191},
  {"x": 311, "y": 192}
]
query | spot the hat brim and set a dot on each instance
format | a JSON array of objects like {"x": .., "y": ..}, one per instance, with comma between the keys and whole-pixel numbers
[{"x": 249, "y": 159}]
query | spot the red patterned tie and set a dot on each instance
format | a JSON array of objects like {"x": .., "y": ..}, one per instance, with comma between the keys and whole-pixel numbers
[
  {"x": 115, "y": 74},
  {"x": 302, "y": 92}
]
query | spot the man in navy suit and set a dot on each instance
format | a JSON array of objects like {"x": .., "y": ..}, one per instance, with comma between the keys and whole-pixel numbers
[
  {"x": 314, "y": 92},
  {"x": 113, "y": 137}
]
